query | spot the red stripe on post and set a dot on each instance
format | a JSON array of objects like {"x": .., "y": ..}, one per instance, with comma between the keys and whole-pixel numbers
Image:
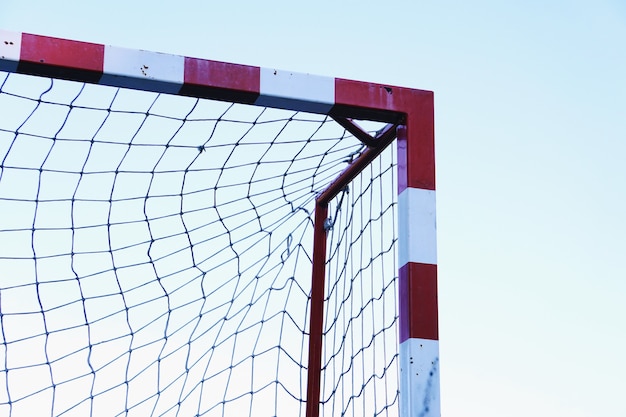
[
  {"x": 42, "y": 55},
  {"x": 416, "y": 147},
  {"x": 416, "y": 156},
  {"x": 418, "y": 301},
  {"x": 221, "y": 80}
]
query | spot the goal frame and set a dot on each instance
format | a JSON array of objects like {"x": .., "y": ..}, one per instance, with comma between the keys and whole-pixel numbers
[{"x": 410, "y": 117}]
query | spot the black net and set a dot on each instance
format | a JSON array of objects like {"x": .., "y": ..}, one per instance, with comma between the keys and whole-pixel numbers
[
  {"x": 155, "y": 257},
  {"x": 360, "y": 370}
]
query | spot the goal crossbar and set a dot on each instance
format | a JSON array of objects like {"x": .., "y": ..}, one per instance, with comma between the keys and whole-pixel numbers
[{"x": 409, "y": 114}]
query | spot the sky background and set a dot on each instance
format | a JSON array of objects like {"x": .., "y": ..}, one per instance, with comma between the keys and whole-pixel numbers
[{"x": 531, "y": 172}]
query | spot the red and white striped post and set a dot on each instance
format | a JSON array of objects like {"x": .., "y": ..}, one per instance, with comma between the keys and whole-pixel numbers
[{"x": 419, "y": 335}]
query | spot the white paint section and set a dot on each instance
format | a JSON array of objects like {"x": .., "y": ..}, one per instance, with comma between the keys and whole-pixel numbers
[
  {"x": 296, "y": 91},
  {"x": 417, "y": 225},
  {"x": 10, "y": 47},
  {"x": 143, "y": 69},
  {"x": 419, "y": 378}
]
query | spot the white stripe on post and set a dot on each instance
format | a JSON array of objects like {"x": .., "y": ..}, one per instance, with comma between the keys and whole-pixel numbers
[
  {"x": 419, "y": 357},
  {"x": 418, "y": 227},
  {"x": 292, "y": 90},
  {"x": 419, "y": 361},
  {"x": 10, "y": 47},
  {"x": 142, "y": 69}
]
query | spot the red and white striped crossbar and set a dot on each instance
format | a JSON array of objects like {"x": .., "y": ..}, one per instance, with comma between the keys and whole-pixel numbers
[{"x": 114, "y": 66}]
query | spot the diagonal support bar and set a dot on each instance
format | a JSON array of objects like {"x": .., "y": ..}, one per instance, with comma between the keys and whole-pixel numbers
[
  {"x": 382, "y": 140},
  {"x": 360, "y": 134}
]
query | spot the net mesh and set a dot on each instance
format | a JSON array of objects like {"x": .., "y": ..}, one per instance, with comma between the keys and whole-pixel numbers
[{"x": 155, "y": 257}]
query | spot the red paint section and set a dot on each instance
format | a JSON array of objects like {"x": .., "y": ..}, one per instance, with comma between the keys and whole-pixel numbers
[
  {"x": 419, "y": 147},
  {"x": 416, "y": 143},
  {"x": 418, "y": 301},
  {"x": 72, "y": 55},
  {"x": 316, "y": 323},
  {"x": 221, "y": 80},
  {"x": 377, "y": 96},
  {"x": 416, "y": 152}
]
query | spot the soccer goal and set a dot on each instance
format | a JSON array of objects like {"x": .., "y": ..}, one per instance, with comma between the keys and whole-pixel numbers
[{"x": 186, "y": 237}]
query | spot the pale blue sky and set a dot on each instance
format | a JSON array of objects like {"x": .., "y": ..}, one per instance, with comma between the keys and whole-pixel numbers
[{"x": 531, "y": 129}]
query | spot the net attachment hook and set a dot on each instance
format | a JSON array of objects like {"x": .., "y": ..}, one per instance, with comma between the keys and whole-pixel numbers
[
  {"x": 287, "y": 252},
  {"x": 329, "y": 223}
]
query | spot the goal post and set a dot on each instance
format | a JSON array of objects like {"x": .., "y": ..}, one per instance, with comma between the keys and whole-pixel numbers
[{"x": 184, "y": 236}]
